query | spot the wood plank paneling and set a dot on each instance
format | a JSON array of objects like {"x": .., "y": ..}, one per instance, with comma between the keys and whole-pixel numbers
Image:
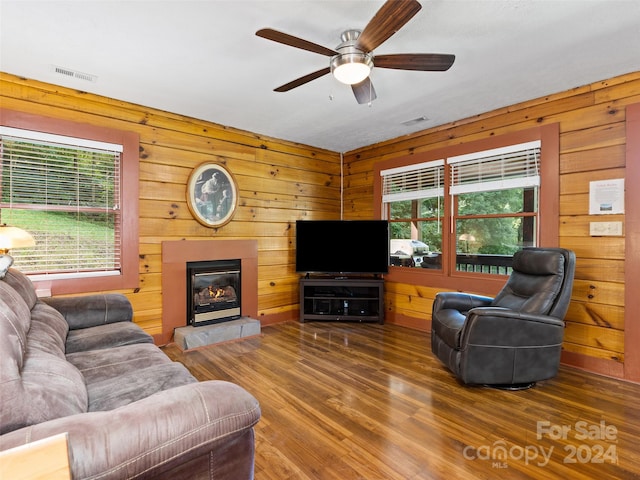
[
  {"x": 572, "y": 183},
  {"x": 594, "y": 159},
  {"x": 609, "y": 316}
]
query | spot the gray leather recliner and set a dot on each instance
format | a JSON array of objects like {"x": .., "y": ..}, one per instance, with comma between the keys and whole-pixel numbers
[{"x": 512, "y": 340}]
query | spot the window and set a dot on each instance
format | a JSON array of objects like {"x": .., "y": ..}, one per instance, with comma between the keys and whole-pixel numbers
[
  {"x": 494, "y": 205},
  {"x": 66, "y": 187},
  {"x": 66, "y": 192},
  {"x": 414, "y": 205},
  {"x": 471, "y": 209}
]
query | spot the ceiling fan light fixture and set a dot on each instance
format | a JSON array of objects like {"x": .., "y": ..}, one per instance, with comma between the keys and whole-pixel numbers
[
  {"x": 352, "y": 60},
  {"x": 351, "y": 68}
]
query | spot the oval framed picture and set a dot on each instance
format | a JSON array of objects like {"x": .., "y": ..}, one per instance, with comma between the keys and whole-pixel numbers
[{"x": 212, "y": 194}]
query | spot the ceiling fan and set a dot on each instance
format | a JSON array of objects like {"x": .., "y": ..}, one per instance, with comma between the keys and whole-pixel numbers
[{"x": 352, "y": 60}]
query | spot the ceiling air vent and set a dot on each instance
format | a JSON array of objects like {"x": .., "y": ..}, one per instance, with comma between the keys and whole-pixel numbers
[
  {"x": 74, "y": 74},
  {"x": 408, "y": 123}
]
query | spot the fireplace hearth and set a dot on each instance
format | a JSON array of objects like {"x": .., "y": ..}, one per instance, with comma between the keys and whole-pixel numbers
[{"x": 213, "y": 291}]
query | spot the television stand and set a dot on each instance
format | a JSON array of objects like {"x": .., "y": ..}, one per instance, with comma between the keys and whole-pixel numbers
[{"x": 345, "y": 299}]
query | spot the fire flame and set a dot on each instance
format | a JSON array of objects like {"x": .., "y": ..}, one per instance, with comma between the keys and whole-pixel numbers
[{"x": 215, "y": 292}]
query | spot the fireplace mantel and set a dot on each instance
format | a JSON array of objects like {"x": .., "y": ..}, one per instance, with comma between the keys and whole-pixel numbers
[{"x": 176, "y": 254}]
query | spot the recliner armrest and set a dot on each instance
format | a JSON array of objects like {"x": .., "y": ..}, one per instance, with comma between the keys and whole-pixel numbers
[
  {"x": 498, "y": 326},
  {"x": 460, "y": 301},
  {"x": 92, "y": 310},
  {"x": 513, "y": 315}
]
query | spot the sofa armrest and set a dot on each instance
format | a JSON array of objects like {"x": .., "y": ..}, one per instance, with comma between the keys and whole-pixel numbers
[
  {"x": 92, "y": 310},
  {"x": 154, "y": 435}
]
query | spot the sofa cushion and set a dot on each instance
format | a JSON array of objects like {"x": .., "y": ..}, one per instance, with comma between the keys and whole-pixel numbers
[
  {"x": 117, "y": 376},
  {"x": 22, "y": 285},
  {"x": 100, "y": 365},
  {"x": 15, "y": 322},
  {"x": 106, "y": 336},
  {"x": 92, "y": 310},
  {"x": 48, "y": 331},
  {"x": 48, "y": 387},
  {"x": 35, "y": 386},
  {"x": 136, "y": 385},
  {"x": 36, "y": 381}
]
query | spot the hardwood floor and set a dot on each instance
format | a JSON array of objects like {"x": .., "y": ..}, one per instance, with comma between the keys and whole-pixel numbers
[{"x": 368, "y": 401}]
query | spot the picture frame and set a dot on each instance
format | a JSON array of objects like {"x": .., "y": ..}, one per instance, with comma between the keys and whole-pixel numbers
[{"x": 212, "y": 194}]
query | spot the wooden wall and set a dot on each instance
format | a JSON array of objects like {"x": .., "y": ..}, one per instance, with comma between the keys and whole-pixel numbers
[
  {"x": 278, "y": 182},
  {"x": 593, "y": 146}
]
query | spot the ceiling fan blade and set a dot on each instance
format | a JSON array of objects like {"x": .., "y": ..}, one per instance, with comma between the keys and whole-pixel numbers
[
  {"x": 302, "y": 80},
  {"x": 364, "y": 91},
  {"x": 436, "y": 62},
  {"x": 296, "y": 42},
  {"x": 388, "y": 20}
]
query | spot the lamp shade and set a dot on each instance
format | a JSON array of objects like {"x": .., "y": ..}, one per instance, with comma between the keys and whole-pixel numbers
[
  {"x": 14, "y": 237},
  {"x": 351, "y": 68}
]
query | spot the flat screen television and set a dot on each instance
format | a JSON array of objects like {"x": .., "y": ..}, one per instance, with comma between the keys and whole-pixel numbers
[{"x": 342, "y": 246}]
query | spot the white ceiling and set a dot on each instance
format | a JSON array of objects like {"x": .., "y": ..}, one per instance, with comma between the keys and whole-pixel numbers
[{"x": 202, "y": 58}]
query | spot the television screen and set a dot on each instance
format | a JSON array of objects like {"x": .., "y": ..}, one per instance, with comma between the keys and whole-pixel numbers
[{"x": 342, "y": 246}]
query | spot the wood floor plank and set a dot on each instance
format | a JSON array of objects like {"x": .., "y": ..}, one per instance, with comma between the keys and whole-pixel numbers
[{"x": 370, "y": 402}]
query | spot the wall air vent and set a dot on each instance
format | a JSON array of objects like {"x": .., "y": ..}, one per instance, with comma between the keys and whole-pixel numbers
[{"x": 75, "y": 74}]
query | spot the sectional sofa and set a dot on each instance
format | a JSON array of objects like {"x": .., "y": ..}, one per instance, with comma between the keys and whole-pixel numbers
[{"x": 81, "y": 366}]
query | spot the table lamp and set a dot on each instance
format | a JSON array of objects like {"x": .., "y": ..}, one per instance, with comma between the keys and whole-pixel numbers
[{"x": 14, "y": 237}]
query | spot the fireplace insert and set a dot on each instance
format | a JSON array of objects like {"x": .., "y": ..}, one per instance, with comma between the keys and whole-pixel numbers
[{"x": 213, "y": 291}]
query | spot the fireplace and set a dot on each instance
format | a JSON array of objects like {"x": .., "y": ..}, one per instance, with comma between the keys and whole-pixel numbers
[
  {"x": 213, "y": 291},
  {"x": 175, "y": 256}
]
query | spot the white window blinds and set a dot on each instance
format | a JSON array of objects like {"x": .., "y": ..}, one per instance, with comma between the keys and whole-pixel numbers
[
  {"x": 66, "y": 193},
  {"x": 498, "y": 169},
  {"x": 411, "y": 182}
]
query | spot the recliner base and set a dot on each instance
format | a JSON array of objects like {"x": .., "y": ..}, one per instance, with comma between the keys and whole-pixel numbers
[{"x": 513, "y": 386}]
